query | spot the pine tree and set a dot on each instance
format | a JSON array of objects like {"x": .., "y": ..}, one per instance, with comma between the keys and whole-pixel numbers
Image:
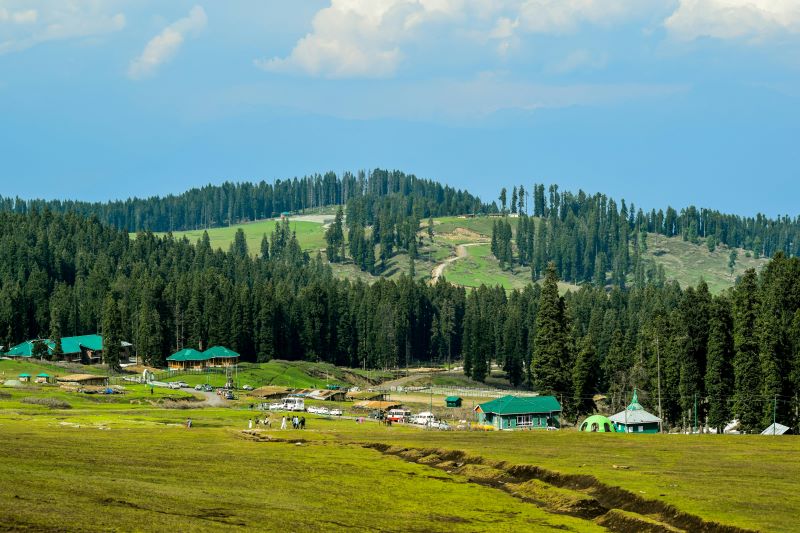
[
  {"x": 514, "y": 200},
  {"x": 334, "y": 237},
  {"x": 111, "y": 333},
  {"x": 550, "y": 355},
  {"x": 584, "y": 376},
  {"x": 503, "y": 199},
  {"x": 719, "y": 369},
  {"x": 746, "y": 369}
]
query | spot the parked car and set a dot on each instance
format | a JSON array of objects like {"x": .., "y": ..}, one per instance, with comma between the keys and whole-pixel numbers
[
  {"x": 247, "y": 387},
  {"x": 275, "y": 406},
  {"x": 323, "y": 411},
  {"x": 208, "y": 388},
  {"x": 442, "y": 425},
  {"x": 173, "y": 385},
  {"x": 336, "y": 412},
  {"x": 198, "y": 387},
  {"x": 423, "y": 419},
  {"x": 182, "y": 384},
  {"x": 229, "y": 395}
]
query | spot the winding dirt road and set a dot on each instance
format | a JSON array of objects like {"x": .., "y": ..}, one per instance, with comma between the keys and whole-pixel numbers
[{"x": 461, "y": 253}]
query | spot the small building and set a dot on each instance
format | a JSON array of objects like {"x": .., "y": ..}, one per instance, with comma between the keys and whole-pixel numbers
[
  {"x": 634, "y": 419},
  {"x": 85, "y": 349},
  {"x": 24, "y": 377},
  {"x": 84, "y": 380},
  {"x": 514, "y": 412},
  {"x": 190, "y": 359},
  {"x": 777, "y": 429},
  {"x": 376, "y": 406},
  {"x": 597, "y": 424},
  {"x": 453, "y": 401},
  {"x": 42, "y": 378},
  {"x": 186, "y": 359}
]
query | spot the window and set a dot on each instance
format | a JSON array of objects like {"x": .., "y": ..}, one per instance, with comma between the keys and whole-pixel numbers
[
  {"x": 641, "y": 428},
  {"x": 524, "y": 420}
]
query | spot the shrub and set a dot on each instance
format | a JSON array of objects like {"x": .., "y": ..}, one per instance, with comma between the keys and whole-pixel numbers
[{"x": 52, "y": 403}]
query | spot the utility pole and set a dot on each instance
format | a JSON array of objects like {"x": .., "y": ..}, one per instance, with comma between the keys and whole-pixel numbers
[
  {"x": 695, "y": 411},
  {"x": 658, "y": 364},
  {"x": 774, "y": 413}
]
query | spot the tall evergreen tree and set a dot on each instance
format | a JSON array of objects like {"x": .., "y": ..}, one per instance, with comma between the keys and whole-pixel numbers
[
  {"x": 550, "y": 351},
  {"x": 719, "y": 368}
]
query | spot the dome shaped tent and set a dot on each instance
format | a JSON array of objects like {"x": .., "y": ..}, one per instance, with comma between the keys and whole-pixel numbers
[{"x": 597, "y": 424}]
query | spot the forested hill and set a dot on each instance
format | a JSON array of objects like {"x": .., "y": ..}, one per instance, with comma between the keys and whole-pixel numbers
[
  {"x": 232, "y": 203},
  {"x": 737, "y": 353}
]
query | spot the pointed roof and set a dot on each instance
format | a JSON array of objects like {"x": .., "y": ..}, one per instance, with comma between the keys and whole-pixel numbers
[
  {"x": 634, "y": 413},
  {"x": 219, "y": 351},
  {"x": 775, "y": 429},
  {"x": 187, "y": 354},
  {"x": 516, "y": 405}
]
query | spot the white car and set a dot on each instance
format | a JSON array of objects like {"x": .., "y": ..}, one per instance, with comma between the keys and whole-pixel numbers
[
  {"x": 323, "y": 411},
  {"x": 182, "y": 384},
  {"x": 336, "y": 412},
  {"x": 275, "y": 406},
  {"x": 423, "y": 419},
  {"x": 198, "y": 387},
  {"x": 312, "y": 409},
  {"x": 174, "y": 385},
  {"x": 247, "y": 387}
]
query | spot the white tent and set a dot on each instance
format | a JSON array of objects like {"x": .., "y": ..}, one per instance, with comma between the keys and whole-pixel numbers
[{"x": 775, "y": 429}]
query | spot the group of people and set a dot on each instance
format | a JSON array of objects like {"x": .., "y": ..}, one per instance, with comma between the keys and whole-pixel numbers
[
  {"x": 297, "y": 422},
  {"x": 267, "y": 422}
]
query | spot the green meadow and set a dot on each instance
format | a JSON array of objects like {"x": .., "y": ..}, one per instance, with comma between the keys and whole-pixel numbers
[{"x": 127, "y": 462}]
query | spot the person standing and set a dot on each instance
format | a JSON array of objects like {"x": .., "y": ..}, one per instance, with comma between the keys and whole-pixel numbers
[
  {"x": 283, "y": 422},
  {"x": 250, "y": 424},
  {"x": 189, "y": 423},
  {"x": 302, "y": 422}
]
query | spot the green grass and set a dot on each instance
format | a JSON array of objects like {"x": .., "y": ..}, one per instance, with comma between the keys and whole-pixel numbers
[
  {"x": 688, "y": 263},
  {"x": 122, "y": 462},
  {"x": 294, "y": 374},
  {"x": 310, "y": 235},
  {"x": 12, "y": 368}
]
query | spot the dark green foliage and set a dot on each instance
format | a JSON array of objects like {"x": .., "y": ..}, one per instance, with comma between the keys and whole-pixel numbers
[
  {"x": 334, "y": 237},
  {"x": 551, "y": 357},
  {"x": 746, "y": 368},
  {"x": 719, "y": 367}
]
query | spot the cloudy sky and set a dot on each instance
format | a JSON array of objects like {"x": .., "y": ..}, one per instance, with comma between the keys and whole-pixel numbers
[{"x": 656, "y": 101}]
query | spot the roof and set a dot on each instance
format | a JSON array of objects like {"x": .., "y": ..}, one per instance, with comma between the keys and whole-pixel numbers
[
  {"x": 516, "y": 405},
  {"x": 42, "y": 375},
  {"x": 600, "y": 420},
  {"x": 775, "y": 429},
  {"x": 187, "y": 354},
  {"x": 219, "y": 351},
  {"x": 634, "y": 414},
  {"x": 453, "y": 399},
  {"x": 77, "y": 378},
  {"x": 24, "y": 375},
  {"x": 376, "y": 405},
  {"x": 69, "y": 345}
]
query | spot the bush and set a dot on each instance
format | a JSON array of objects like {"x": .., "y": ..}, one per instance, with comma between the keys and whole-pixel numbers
[{"x": 52, "y": 403}]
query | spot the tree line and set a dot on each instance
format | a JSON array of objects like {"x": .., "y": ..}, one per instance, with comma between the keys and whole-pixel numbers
[{"x": 232, "y": 203}]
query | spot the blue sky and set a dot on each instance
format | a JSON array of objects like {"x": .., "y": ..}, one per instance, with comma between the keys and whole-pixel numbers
[{"x": 657, "y": 101}]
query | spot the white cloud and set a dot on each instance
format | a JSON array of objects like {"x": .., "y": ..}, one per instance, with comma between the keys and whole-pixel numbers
[
  {"x": 753, "y": 20},
  {"x": 370, "y": 38},
  {"x": 580, "y": 60},
  {"x": 33, "y": 22},
  {"x": 163, "y": 47}
]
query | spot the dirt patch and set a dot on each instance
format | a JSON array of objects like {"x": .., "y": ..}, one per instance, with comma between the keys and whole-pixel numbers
[
  {"x": 582, "y": 496},
  {"x": 623, "y": 522}
]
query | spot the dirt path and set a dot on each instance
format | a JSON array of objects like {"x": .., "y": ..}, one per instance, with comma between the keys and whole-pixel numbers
[
  {"x": 461, "y": 253},
  {"x": 212, "y": 398}
]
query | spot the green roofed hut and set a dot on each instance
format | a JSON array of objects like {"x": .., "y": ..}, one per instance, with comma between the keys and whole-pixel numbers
[
  {"x": 514, "y": 412},
  {"x": 190, "y": 359},
  {"x": 453, "y": 401},
  {"x": 597, "y": 424},
  {"x": 42, "y": 378},
  {"x": 24, "y": 377},
  {"x": 84, "y": 349},
  {"x": 634, "y": 419}
]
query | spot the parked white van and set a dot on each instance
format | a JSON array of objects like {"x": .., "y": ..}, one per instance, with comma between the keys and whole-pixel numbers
[
  {"x": 425, "y": 418},
  {"x": 294, "y": 404}
]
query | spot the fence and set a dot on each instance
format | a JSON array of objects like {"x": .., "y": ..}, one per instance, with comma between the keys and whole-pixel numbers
[{"x": 460, "y": 391}]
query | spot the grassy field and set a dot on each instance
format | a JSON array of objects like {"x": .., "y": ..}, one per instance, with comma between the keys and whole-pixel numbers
[
  {"x": 310, "y": 235},
  {"x": 295, "y": 374},
  {"x": 689, "y": 263},
  {"x": 683, "y": 261},
  {"x": 125, "y": 462}
]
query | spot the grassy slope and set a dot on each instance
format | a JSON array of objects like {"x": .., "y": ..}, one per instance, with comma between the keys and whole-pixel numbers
[
  {"x": 295, "y": 374},
  {"x": 310, "y": 235},
  {"x": 147, "y": 472},
  {"x": 683, "y": 261}
]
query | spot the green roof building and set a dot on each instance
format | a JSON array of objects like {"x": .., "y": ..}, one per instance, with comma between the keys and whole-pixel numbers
[
  {"x": 514, "y": 412},
  {"x": 82, "y": 348},
  {"x": 190, "y": 359},
  {"x": 634, "y": 419},
  {"x": 452, "y": 401}
]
